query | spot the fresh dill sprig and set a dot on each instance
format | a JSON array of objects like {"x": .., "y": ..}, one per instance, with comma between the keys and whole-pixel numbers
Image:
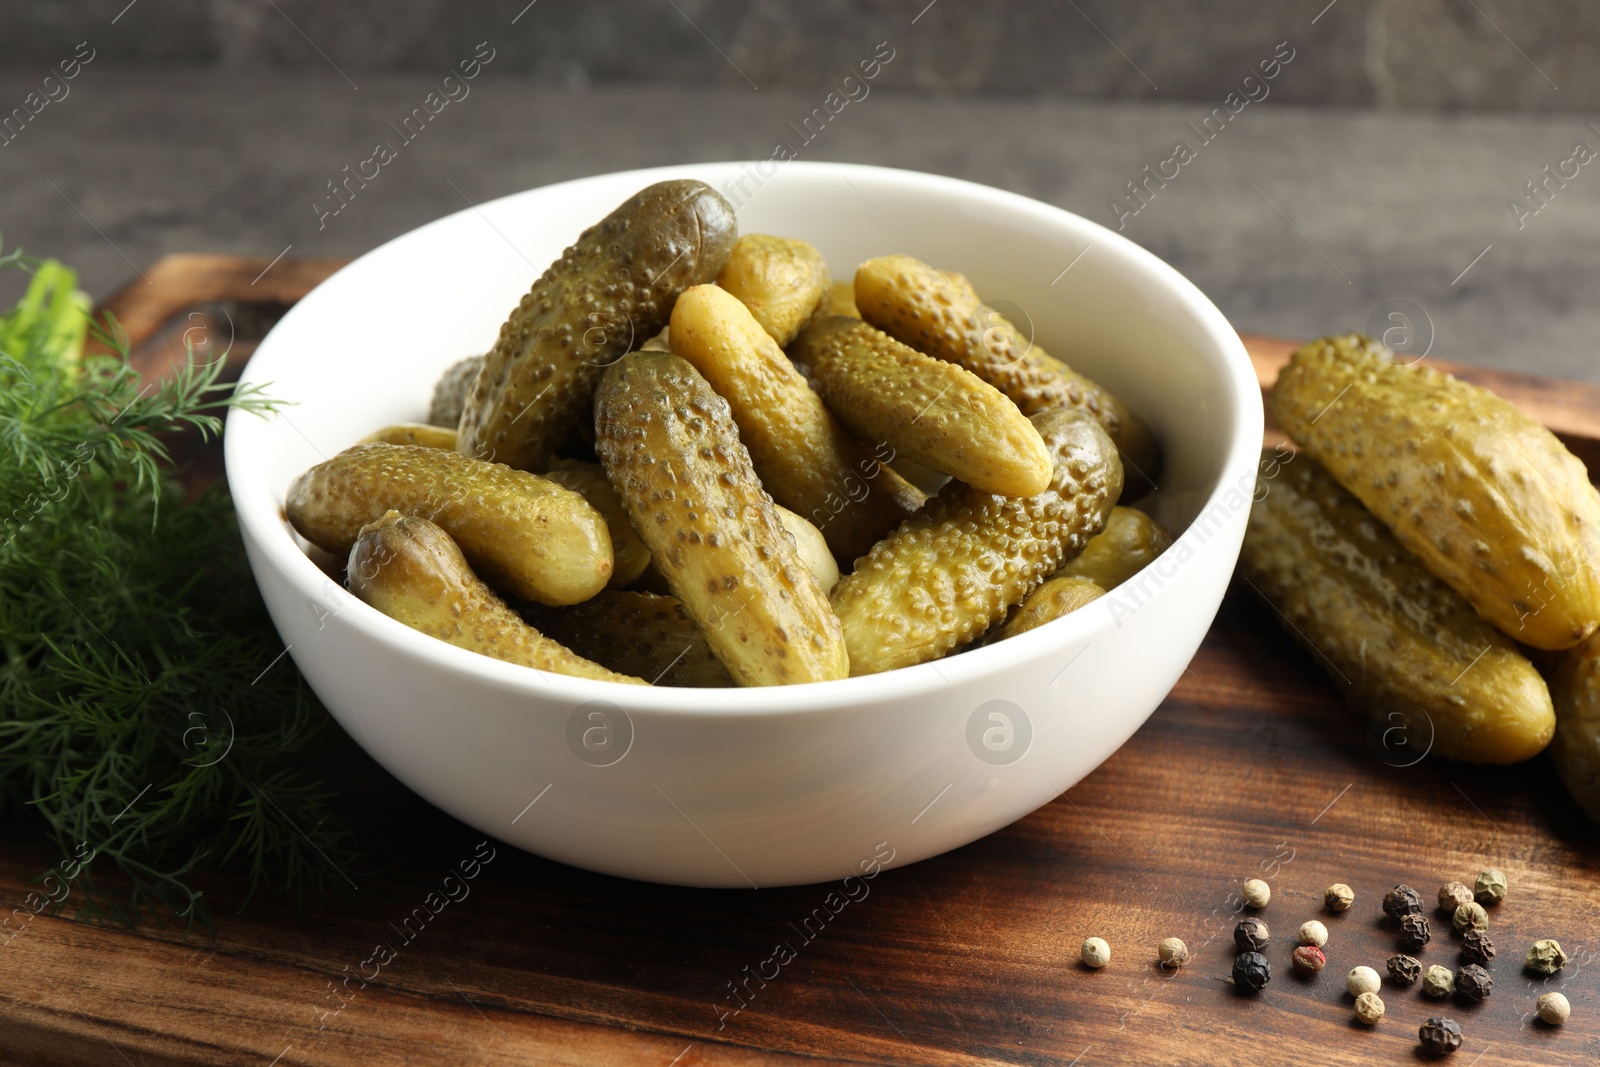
[{"x": 138, "y": 717}]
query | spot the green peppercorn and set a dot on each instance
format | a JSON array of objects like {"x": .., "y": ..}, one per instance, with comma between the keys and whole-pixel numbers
[
  {"x": 1251, "y": 972},
  {"x": 1545, "y": 957},
  {"x": 1470, "y": 916},
  {"x": 1403, "y": 969},
  {"x": 1440, "y": 1036},
  {"x": 1251, "y": 935},
  {"x": 1473, "y": 982},
  {"x": 1490, "y": 887},
  {"x": 1414, "y": 931},
  {"x": 1401, "y": 901},
  {"x": 1438, "y": 981},
  {"x": 1476, "y": 947}
]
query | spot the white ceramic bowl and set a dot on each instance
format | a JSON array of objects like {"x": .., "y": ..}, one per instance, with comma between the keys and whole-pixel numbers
[{"x": 775, "y": 786}]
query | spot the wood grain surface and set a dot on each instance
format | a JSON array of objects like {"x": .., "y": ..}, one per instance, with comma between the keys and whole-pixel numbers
[{"x": 1252, "y": 767}]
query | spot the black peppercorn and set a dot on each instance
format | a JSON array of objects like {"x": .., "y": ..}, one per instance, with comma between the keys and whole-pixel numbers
[
  {"x": 1414, "y": 932},
  {"x": 1251, "y": 972},
  {"x": 1476, "y": 947},
  {"x": 1440, "y": 1036},
  {"x": 1251, "y": 934},
  {"x": 1401, "y": 901},
  {"x": 1473, "y": 982},
  {"x": 1404, "y": 969}
]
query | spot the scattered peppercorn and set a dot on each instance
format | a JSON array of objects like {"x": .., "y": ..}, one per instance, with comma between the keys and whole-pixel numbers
[
  {"x": 1470, "y": 916},
  {"x": 1362, "y": 980},
  {"x": 1313, "y": 933},
  {"x": 1473, "y": 982},
  {"x": 1096, "y": 953},
  {"x": 1545, "y": 957},
  {"x": 1404, "y": 969},
  {"x": 1251, "y": 972},
  {"x": 1369, "y": 1008},
  {"x": 1490, "y": 887},
  {"x": 1338, "y": 897},
  {"x": 1414, "y": 932},
  {"x": 1309, "y": 960},
  {"x": 1476, "y": 947},
  {"x": 1251, "y": 935},
  {"x": 1256, "y": 893},
  {"x": 1401, "y": 901},
  {"x": 1554, "y": 1009},
  {"x": 1440, "y": 1036},
  {"x": 1172, "y": 952},
  {"x": 1438, "y": 981},
  {"x": 1452, "y": 895}
]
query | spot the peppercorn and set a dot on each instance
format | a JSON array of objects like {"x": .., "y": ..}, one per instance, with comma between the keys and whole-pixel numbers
[
  {"x": 1256, "y": 893},
  {"x": 1313, "y": 933},
  {"x": 1172, "y": 952},
  {"x": 1470, "y": 916},
  {"x": 1473, "y": 982},
  {"x": 1440, "y": 1036},
  {"x": 1476, "y": 947},
  {"x": 1414, "y": 932},
  {"x": 1338, "y": 897},
  {"x": 1369, "y": 1008},
  {"x": 1452, "y": 895},
  {"x": 1438, "y": 981},
  {"x": 1490, "y": 887},
  {"x": 1251, "y": 935},
  {"x": 1554, "y": 1009},
  {"x": 1251, "y": 972},
  {"x": 1362, "y": 980},
  {"x": 1401, "y": 901},
  {"x": 1309, "y": 960},
  {"x": 1545, "y": 957},
  {"x": 1404, "y": 969},
  {"x": 1096, "y": 953}
]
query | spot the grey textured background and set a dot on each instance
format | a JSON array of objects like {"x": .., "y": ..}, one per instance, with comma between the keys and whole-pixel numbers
[{"x": 214, "y": 127}]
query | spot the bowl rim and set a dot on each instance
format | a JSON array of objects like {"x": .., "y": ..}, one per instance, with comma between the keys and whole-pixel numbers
[{"x": 262, "y": 523}]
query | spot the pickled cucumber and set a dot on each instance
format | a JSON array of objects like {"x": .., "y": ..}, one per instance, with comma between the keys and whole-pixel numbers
[
  {"x": 782, "y": 281},
  {"x": 933, "y": 412},
  {"x": 450, "y": 392},
  {"x": 1487, "y": 498},
  {"x": 952, "y": 570},
  {"x": 412, "y": 571},
  {"x": 413, "y": 433},
  {"x": 629, "y": 556},
  {"x": 1130, "y": 542},
  {"x": 636, "y": 633},
  {"x": 530, "y": 537},
  {"x": 924, "y": 308},
  {"x": 1403, "y": 647},
  {"x": 1575, "y": 751},
  {"x": 1059, "y": 596},
  {"x": 804, "y": 457},
  {"x": 670, "y": 446},
  {"x": 842, "y": 300},
  {"x": 607, "y": 294}
]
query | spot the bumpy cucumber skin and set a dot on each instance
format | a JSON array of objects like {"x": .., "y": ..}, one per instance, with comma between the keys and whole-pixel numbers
[
  {"x": 1130, "y": 542},
  {"x": 1490, "y": 500},
  {"x": 1059, "y": 596},
  {"x": 531, "y": 538},
  {"x": 781, "y": 280},
  {"x": 409, "y": 569},
  {"x": 424, "y": 434},
  {"x": 629, "y": 556},
  {"x": 636, "y": 633},
  {"x": 952, "y": 570},
  {"x": 936, "y": 413},
  {"x": 669, "y": 444},
  {"x": 938, "y": 313},
  {"x": 1403, "y": 647},
  {"x": 607, "y": 294},
  {"x": 450, "y": 392},
  {"x": 804, "y": 456},
  {"x": 1575, "y": 687}
]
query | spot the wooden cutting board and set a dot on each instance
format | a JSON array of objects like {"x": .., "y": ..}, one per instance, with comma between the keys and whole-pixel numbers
[{"x": 1252, "y": 767}]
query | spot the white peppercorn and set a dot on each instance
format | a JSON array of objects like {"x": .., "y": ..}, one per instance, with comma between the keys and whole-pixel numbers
[
  {"x": 1096, "y": 953},
  {"x": 1256, "y": 893},
  {"x": 1452, "y": 895},
  {"x": 1313, "y": 933},
  {"x": 1362, "y": 980},
  {"x": 1172, "y": 952},
  {"x": 1545, "y": 957},
  {"x": 1490, "y": 886},
  {"x": 1338, "y": 897},
  {"x": 1438, "y": 981},
  {"x": 1369, "y": 1008},
  {"x": 1554, "y": 1009},
  {"x": 1470, "y": 916}
]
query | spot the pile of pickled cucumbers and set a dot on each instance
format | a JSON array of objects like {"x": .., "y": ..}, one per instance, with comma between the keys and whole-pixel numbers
[
  {"x": 1430, "y": 544},
  {"x": 693, "y": 459}
]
